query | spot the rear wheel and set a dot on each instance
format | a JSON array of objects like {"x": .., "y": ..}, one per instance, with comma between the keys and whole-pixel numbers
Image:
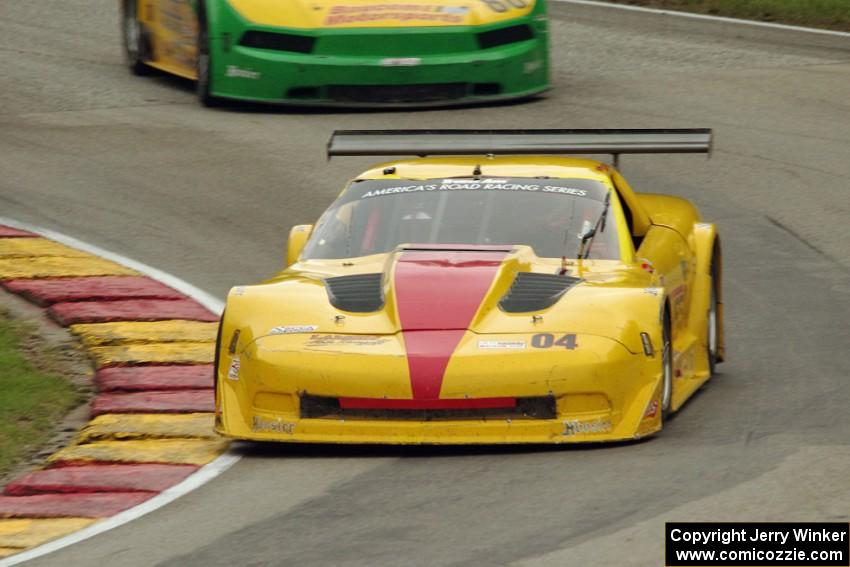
[
  {"x": 136, "y": 45},
  {"x": 667, "y": 368}
]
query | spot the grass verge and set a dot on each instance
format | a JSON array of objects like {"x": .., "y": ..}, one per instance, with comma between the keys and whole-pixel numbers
[
  {"x": 32, "y": 401},
  {"x": 829, "y": 14}
]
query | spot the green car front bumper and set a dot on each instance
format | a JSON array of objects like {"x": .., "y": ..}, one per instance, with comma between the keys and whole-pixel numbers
[{"x": 381, "y": 67}]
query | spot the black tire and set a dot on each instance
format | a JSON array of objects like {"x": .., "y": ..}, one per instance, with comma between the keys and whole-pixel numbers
[
  {"x": 217, "y": 356},
  {"x": 136, "y": 39},
  {"x": 216, "y": 362},
  {"x": 204, "y": 65},
  {"x": 713, "y": 333},
  {"x": 667, "y": 368}
]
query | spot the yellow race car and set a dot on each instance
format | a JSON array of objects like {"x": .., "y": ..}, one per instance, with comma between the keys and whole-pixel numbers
[{"x": 492, "y": 292}]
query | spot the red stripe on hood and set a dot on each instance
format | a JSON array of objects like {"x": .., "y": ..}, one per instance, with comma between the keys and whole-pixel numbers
[{"x": 438, "y": 294}]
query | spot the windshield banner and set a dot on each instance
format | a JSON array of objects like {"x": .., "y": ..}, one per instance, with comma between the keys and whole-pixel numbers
[{"x": 575, "y": 187}]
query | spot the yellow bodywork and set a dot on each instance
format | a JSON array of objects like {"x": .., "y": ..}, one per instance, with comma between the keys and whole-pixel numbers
[
  {"x": 282, "y": 339},
  {"x": 175, "y": 25}
]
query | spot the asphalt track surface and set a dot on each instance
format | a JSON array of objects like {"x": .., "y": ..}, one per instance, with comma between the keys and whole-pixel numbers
[{"x": 136, "y": 166}]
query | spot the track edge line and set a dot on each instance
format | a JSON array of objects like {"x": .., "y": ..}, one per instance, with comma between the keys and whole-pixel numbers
[
  {"x": 707, "y": 17},
  {"x": 202, "y": 476}
]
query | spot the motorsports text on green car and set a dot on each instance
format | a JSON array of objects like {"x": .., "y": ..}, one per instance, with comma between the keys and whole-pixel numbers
[{"x": 344, "y": 52}]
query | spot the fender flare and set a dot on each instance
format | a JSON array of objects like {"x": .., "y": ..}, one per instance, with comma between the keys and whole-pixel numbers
[{"x": 709, "y": 254}]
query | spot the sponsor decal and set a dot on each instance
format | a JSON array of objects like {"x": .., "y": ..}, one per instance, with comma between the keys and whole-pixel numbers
[
  {"x": 683, "y": 363},
  {"x": 502, "y": 6},
  {"x": 178, "y": 16},
  {"x": 419, "y": 215},
  {"x": 651, "y": 290},
  {"x": 510, "y": 345},
  {"x": 401, "y": 62},
  {"x": 576, "y": 427},
  {"x": 475, "y": 185},
  {"x": 239, "y": 72},
  {"x": 532, "y": 66},
  {"x": 293, "y": 329},
  {"x": 234, "y": 340},
  {"x": 548, "y": 340},
  {"x": 358, "y": 340},
  {"x": 677, "y": 302},
  {"x": 455, "y": 9},
  {"x": 263, "y": 425},
  {"x": 233, "y": 371},
  {"x": 651, "y": 410},
  {"x": 239, "y": 290},
  {"x": 342, "y": 14}
]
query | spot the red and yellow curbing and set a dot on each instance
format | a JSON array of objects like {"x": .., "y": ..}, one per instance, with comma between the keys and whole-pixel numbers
[{"x": 152, "y": 418}]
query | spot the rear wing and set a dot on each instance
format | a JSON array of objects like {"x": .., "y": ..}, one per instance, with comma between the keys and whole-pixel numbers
[{"x": 518, "y": 142}]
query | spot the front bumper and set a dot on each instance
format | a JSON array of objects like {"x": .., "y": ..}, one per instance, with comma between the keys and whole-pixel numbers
[
  {"x": 416, "y": 78},
  {"x": 602, "y": 393},
  {"x": 437, "y": 433}
]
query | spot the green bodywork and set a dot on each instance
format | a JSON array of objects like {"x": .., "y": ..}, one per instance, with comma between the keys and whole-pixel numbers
[{"x": 349, "y": 66}]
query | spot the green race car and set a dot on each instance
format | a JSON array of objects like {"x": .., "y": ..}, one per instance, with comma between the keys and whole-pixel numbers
[{"x": 344, "y": 52}]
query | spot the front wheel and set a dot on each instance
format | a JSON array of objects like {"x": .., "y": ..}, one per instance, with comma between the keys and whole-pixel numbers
[
  {"x": 136, "y": 49},
  {"x": 216, "y": 362},
  {"x": 204, "y": 68}
]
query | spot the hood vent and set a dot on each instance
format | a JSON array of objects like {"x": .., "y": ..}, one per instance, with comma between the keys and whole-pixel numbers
[
  {"x": 361, "y": 293},
  {"x": 534, "y": 292}
]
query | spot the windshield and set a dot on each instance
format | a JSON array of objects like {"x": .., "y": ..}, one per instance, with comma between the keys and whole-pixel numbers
[{"x": 375, "y": 216}]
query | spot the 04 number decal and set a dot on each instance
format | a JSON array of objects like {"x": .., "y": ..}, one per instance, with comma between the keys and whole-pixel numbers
[
  {"x": 548, "y": 340},
  {"x": 502, "y": 6}
]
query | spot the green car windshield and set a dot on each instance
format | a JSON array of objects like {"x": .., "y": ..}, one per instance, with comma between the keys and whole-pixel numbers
[{"x": 375, "y": 216}]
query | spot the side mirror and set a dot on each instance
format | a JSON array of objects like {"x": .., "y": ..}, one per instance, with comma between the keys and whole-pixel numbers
[{"x": 298, "y": 236}]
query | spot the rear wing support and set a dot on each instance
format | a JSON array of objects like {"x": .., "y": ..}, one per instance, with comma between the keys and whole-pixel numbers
[{"x": 518, "y": 142}]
